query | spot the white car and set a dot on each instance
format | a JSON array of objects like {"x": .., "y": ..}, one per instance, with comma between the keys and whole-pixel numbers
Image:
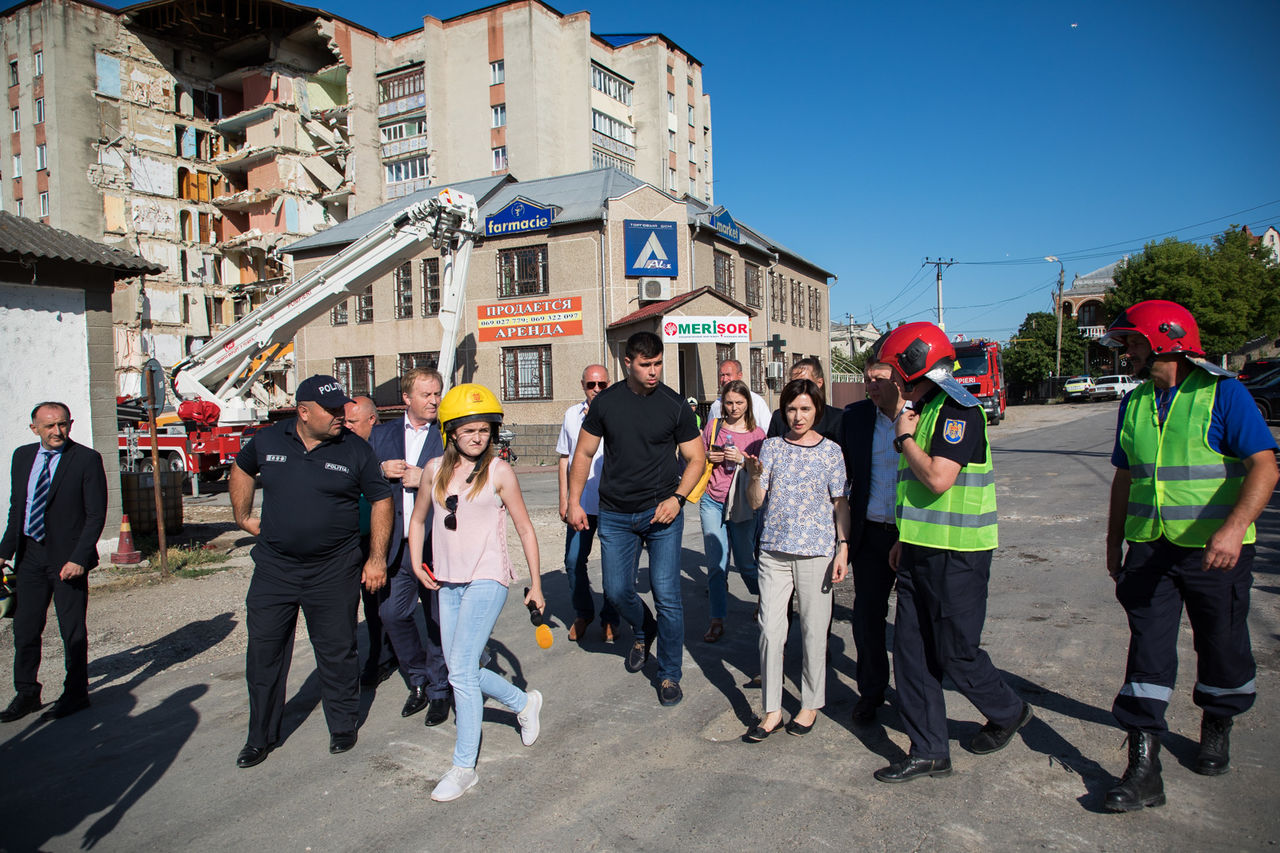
[{"x": 1113, "y": 387}]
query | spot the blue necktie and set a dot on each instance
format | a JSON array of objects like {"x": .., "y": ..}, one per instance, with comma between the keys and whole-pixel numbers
[{"x": 39, "y": 500}]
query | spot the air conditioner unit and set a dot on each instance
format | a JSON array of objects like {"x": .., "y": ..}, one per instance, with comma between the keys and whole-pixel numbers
[
  {"x": 773, "y": 370},
  {"x": 654, "y": 289}
]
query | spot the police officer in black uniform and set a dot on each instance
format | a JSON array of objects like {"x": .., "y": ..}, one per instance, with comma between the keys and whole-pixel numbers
[{"x": 313, "y": 473}]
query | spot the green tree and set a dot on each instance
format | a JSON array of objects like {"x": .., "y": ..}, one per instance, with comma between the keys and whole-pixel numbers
[
  {"x": 1228, "y": 286},
  {"x": 1031, "y": 354}
]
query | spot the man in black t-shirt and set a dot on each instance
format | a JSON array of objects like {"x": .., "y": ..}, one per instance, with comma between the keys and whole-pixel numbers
[
  {"x": 313, "y": 473},
  {"x": 642, "y": 495}
]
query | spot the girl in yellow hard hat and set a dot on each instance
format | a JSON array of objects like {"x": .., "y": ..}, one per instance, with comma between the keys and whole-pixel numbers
[{"x": 472, "y": 492}]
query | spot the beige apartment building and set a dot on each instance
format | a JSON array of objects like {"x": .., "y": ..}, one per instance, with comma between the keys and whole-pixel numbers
[{"x": 613, "y": 256}]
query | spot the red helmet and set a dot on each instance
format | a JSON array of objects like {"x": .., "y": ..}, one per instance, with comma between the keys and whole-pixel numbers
[
  {"x": 1167, "y": 326},
  {"x": 914, "y": 349}
]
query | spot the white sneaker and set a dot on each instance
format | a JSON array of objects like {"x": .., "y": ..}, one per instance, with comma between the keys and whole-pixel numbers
[
  {"x": 530, "y": 725},
  {"x": 454, "y": 784}
]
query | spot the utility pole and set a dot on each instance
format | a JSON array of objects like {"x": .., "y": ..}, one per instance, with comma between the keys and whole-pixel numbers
[
  {"x": 849, "y": 329},
  {"x": 1057, "y": 363},
  {"x": 938, "y": 266}
]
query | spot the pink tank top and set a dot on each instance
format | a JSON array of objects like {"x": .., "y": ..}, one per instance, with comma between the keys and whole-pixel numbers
[{"x": 477, "y": 549}]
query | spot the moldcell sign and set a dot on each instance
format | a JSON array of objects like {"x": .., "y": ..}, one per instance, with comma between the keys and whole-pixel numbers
[{"x": 519, "y": 216}]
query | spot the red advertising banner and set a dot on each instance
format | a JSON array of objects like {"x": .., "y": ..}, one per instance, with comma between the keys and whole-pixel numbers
[{"x": 532, "y": 318}]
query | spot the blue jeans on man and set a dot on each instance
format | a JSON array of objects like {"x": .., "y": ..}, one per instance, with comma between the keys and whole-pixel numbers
[
  {"x": 622, "y": 535},
  {"x": 577, "y": 550}
]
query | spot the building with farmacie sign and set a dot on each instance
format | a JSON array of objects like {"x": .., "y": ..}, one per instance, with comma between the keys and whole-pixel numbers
[{"x": 569, "y": 268}]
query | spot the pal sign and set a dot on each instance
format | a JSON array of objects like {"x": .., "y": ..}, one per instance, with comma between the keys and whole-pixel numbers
[
  {"x": 722, "y": 330},
  {"x": 650, "y": 248},
  {"x": 520, "y": 215}
]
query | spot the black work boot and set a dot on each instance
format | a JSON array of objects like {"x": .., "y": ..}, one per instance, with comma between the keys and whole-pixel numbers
[
  {"x": 1141, "y": 785},
  {"x": 1215, "y": 746}
]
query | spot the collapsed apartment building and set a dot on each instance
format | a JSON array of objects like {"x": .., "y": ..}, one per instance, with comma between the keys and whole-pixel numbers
[{"x": 206, "y": 135}]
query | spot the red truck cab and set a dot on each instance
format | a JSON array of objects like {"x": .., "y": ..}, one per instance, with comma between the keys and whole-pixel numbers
[{"x": 980, "y": 369}]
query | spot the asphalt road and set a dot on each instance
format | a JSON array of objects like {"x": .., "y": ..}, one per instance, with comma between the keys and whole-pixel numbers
[{"x": 151, "y": 765}]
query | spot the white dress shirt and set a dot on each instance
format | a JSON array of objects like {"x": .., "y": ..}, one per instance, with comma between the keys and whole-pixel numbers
[
  {"x": 565, "y": 446},
  {"x": 415, "y": 438}
]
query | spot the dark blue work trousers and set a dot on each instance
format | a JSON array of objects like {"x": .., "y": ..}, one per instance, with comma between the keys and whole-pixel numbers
[
  {"x": 942, "y": 605},
  {"x": 1156, "y": 580}
]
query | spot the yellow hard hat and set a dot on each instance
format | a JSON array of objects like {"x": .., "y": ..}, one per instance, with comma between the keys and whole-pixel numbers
[{"x": 466, "y": 403}]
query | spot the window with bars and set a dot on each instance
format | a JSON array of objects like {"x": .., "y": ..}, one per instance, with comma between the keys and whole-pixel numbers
[
  {"x": 724, "y": 274},
  {"x": 815, "y": 308},
  {"x": 404, "y": 291},
  {"x": 795, "y": 357},
  {"x": 777, "y": 298},
  {"x": 355, "y": 374},
  {"x": 757, "y": 370},
  {"x": 751, "y": 279},
  {"x": 522, "y": 272},
  {"x": 338, "y": 316},
  {"x": 526, "y": 373},
  {"x": 724, "y": 352},
  {"x": 430, "y": 287},
  {"x": 797, "y": 303},
  {"x": 414, "y": 360},
  {"x": 364, "y": 306}
]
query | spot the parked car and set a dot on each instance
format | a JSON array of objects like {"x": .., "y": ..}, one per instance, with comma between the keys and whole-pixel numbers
[
  {"x": 1078, "y": 388},
  {"x": 1267, "y": 398},
  {"x": 1263, "y": 376},
  {"x": 1113, "y": 387},
  {"x": 1254, "y": 369}
]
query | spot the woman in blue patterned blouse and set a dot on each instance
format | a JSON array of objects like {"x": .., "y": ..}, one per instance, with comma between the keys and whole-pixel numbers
[{"x": 803, "y": 546}]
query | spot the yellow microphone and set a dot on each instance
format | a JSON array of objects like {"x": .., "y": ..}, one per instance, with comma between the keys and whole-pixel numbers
[{"x": 542, "y": 634}]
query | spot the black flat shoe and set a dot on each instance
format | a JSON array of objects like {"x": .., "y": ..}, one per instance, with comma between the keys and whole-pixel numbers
[
  {"x": 22, "y": 704},
  {"x": 341, "y": 742},
  {"x": 757, "y": 733},
  {"x": 252, "y": 756},
  {"x": 913, "y": 768},
  {"x": 65, "y": 707},
  {"x": 437, "y": 712},
  {"x": 798, "y": 729},
  {"x": 416, "y": 702}
]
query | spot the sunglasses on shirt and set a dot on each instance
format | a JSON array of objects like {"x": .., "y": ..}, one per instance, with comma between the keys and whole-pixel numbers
[
  {"x": 590, "y": 385},
  {"x": 451, "y": 520}
]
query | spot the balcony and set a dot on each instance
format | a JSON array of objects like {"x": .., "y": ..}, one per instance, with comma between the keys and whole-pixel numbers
[{"x": 1092, "y": 332}]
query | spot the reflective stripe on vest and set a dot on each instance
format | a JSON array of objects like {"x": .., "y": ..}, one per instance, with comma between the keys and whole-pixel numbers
[
  {"x": 1182, "y": 489},
  {"x": 963, "y": 518}
]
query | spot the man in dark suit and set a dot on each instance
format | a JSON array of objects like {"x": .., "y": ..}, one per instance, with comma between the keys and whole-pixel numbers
[
  {"x": 414, "y": 437},
  {"x": 57, "y": 508},
  {"x": 872, "y": 466},
  {"x": 829, "y": 427}
]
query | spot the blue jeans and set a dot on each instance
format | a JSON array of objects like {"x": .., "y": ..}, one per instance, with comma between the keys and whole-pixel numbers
[
  {"x": 622, "y": 535},
  {"x": 577, "y": 548},
  {"x": 468, "y": 612},
  {"x": 718, "y": 536}
]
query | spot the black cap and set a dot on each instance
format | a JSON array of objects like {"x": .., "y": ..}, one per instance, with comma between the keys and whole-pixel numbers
[{"x": 322, "y": 389}]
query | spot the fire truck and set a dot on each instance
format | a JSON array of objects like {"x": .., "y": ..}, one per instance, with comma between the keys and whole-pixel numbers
[
  {"x": 980, "y": 369},
  {"x": 221, "y": 399}
]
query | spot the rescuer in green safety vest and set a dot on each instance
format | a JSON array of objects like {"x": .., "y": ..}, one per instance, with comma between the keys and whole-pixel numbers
[
  {"x": 1195, "y": 465},
  {"x": 946, "y": 517}
]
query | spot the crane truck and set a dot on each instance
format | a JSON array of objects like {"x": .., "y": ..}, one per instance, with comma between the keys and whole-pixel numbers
[{"x": 221, "y": 401}]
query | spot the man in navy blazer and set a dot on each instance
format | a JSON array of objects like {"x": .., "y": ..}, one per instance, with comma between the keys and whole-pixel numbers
[
  {"x": 57, "y": 508},
  {"x": 871, "y": 463},
  {"x": 404, "y": 446}
]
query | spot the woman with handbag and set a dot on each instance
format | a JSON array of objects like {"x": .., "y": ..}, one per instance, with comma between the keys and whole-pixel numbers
[
  {"x": 471, "y": 493},
  {"x": 804, "y": 545},
  {"x": 728, "y": 520}
]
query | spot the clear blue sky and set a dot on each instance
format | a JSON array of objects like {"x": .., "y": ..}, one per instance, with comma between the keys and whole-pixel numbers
[{"x": 868, "y": 136}]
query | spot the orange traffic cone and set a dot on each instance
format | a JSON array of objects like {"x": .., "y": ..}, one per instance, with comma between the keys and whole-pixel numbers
[{"x": 127, "y": 555}]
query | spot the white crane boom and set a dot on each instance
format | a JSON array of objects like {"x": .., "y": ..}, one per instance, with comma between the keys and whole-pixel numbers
[{"x": 225, "y": 370}]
